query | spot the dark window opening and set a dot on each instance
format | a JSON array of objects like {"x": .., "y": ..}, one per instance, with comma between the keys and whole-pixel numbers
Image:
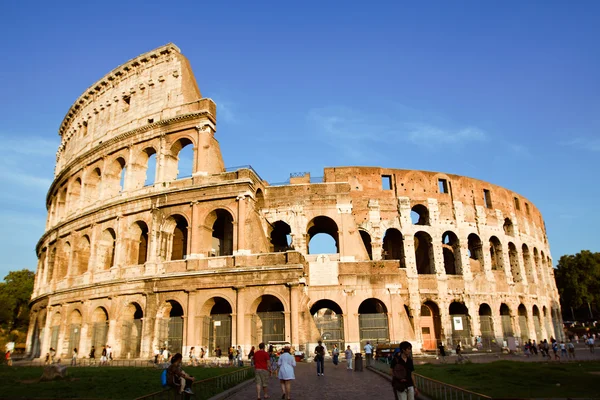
[
  {"x": 443, "y": 186},
  {"x": 508, "y": 227},
  {"x": 150, "y": 120},
  {"x": 393, "y": 246},
  {"x": 419, "y": 215},
  {"x": 424, "y": 253},
  {"x": 281, "y": 239},
  {"x": 222, "y": 237},
  {"x": 496, "y": 254},
  {"x": 323, "y": 236},
  {"x": 487, "y": 197},
  {"x": 366, "y": 239},
  {"x": 386, "y": 182},
  {"x": 517, "y": 204},
  {"x": 179, "y": 250},
  {"x": 527, "y": 208}
]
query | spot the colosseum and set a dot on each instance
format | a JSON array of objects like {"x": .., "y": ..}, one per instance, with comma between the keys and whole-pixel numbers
[{"x": 139, "y": 254}]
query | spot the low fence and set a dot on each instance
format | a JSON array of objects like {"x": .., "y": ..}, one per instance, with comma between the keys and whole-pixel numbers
[
  {"x": 434, "y": 390},
  {"x": 205, "y": 388},
  {"x": 86, "y": 362}
]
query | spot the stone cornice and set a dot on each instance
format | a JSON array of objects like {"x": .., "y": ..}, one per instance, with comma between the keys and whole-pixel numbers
[
  {"x": 99, "y": 148},
  {"x": 108, "y": 79}
]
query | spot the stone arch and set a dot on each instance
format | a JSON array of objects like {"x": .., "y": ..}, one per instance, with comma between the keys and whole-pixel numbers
[
  {"x": 268, "y": 321},
  {"x": 75, "y": 194},
  {"x": 430, "y": 323},
  {"x": 513, "y": 257},
  {"x": 527, "y": 265},
  {"x": 174, "y": 245},
  {"x": 175, "y": 160},
  {"x": 506, "y": 318},
  {"x": 99, "y": 331},
  {"x": 322, "y": 225},
  {"x": 419, "y": 215},
  {"x": 393, "y": 246},
  {"x": 143, "y": 169},
  {"x": 373, "y": 322},
  {"x": 83, "y": 255},
  {"x": 475, "y": 253},
  {"x": 523, "y": 322},
  {"x": 114, "y": 177},
  {"x": 171, "y": 325},
  {"x": 62, "y": 267},
  {"x": 424, "y": 253},
  {"x": 486, "y": 325},
  {"x": 329, "y": 320},
  {"x": 74, "y": 324},
  {"x": 137, "y": 243},
  {"x": 106, "y": 249},
  {"x": 508, "y": 227},
  {"x": 131, "y": 330},
  {"x": 496, "y": 254},
  {"x": 366, "y": 240},
  {"x": 55, "y": 324},
  {"x": 281, "y": 236},
  {"x": 536, "y": 263},
  {"x": 51, "y": 262},
  {"x": 537, "y": 322},
  {"x": 220, "y": 224},
  {"x": 217, "y": 313},
  {"x": 61, "y": 204},
  {"x": 260, "y": 199},
  {"x": 451, "y": 252},
  {"x": 93, "y": 185},
  {"x": 461, "y": 323},
  {"x": 41, "y": 266}
]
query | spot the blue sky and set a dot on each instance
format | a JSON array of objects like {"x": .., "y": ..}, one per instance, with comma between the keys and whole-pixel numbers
[{"x": 507, "y": 92}]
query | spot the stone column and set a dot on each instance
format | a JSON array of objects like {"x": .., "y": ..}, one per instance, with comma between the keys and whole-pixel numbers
[
  {"x": 240, "y": 248},
  {"x": 506, "y": 264},
  {"x": 294, "y": 301},
  {"x": 191, "y": 329},
  {"x": 288, "y": 325},
  {"x": 487, "y": 261},
  {"x": 409, "y": 256},
  {"x": 240, "y": 318}
]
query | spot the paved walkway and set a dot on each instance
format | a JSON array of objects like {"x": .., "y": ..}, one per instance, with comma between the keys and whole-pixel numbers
[{"x": 337, "y": 383}]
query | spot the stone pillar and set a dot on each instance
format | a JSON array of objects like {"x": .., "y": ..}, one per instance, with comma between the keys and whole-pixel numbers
[
  {"x": 193, "y": 331},
  {"x": 438, "y": 258},
  {"x": 506, "y": 264},
  {"x": 45, "y": 345},
  {"x": 294, "y": 302},
  {"x": 409, "y": 256},
  {"x": 465, "y": 264},
  {"x": 487, "y": 261},
  {"x": 111, "y": 336},
  {"x": 288, "y": 326},
  {"x": 194, "y": 236},
  {"x": 240, "y": 229}
]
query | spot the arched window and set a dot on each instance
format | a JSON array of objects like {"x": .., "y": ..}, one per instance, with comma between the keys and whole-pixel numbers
[
  {"x": 529, "y": 271},
  {"x": 323, "y": 236},
  {"x": 222, "y": 234},
  {"x": 75, "y": 195},
  {"x": 92, "y": 187},
  {"x": 138, "y": 243},
  {"x": 99, "y": 328},
  {"x": 114, "y": 177},
  {"x": 505, "y": 317},
  {"x": 74, "y": 324},
  {"x": 486, "y": 326},
  {"x": 106, "y": 249},
  {"x": 513, "y": 257},
  {"x": 424, "y": 253},
  {"x": 523, "y": 324},
  {"x": 451, "y": 252},
  {"x": 419, "y": 215},
  {"x": 131, "y": 331},
  {"x": 393, "y": 246},
  {"x": 219, "y": 319},
  {"x": 270, "y": 325},
  {"x": 180, "y": 232},
  {"x": 62, "y": 265},
  {"x": 83, "y": 255},
  {"x": 62, "y": 203},
  {"x": 430, "y": 324},
  {"x": 281, "y": 239},
  {"x": 373, "y": 322},
  {"x": 475, "y": 253},
  {"x": 260, "y": 199},
  {"x": 179, "y": 163},
  {"x": 51, "y": 261},
  {"x": 508, "y": 227},
  {"x": 496, "y": 254},
  {"x": 329, "y": 319},
  {"x": 366, "y": 239}
]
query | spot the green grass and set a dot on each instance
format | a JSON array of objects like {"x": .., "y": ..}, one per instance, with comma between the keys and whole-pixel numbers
[
  {"x": 90, "y": 382},
  {"x": 520, "y": 379}
]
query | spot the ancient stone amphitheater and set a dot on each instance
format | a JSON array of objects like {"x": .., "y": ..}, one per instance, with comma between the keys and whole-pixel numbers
[{"x": 137, "y": 256}]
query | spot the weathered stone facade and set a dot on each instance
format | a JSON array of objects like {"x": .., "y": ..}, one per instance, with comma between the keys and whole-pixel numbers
[{"x": 222, "y": 257}]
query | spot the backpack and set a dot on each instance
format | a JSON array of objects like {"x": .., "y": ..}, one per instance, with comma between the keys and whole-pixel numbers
[
  {"x": 163, "y": 378},
  {"x": 399, "y": 377}
]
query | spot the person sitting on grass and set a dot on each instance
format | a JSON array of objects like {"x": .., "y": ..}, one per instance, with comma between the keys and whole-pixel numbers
[{"x": 177, "y": 378}]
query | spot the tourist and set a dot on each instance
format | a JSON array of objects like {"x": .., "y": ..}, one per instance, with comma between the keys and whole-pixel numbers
[
  {"x": 555, "y": 350},
  {"x": 261, "y": 371},
  {"x": 335, "y": 355},
  {"x": 369, "y": 353},
  {"x": 590, "y": 343},
  {"x": 47, "y": 362},
  {"x": 402, "y": 373},
  {"x": 348, "y": 353},
  {"x": 202, "y": 352},
  {"x": 192, "y": 355},
  {"x": 166, "y": 355},
  {"x": 52, "y": 355},
  {"x": 534, "y": 348},
  {"x": 177, "y": 378},
  {"x": 230, "y": 355},
  {"x": 251, "y": 356},
  {"x": 571, "y": 348},
  {"x": 218, "y": 352},
  {"x": 103, "y": 356},
  {"x": 93, "y": 356},
  {"x": 74, "y": 357},
  {"x": 8, "y": 357},
  {"x": 459, "y": 352},
  {"x": 442, "y": 351},
  {"x": 156, "y": 355},
  {"x": 108, "y": 353},
  {"x": 240, "y": 356},
  {"x": 320, "y": 358},
  {"x": 286, "y": 365},
  {"x": 563, "y": 349}
]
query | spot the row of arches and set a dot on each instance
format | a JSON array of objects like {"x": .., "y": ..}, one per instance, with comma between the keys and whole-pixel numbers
[{"x": 107, "y": 178}]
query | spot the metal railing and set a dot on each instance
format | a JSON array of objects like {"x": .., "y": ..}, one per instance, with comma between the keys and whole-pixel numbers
[
  {"x": 435, "y": 390},
  {"x": 205, "y": 388}
]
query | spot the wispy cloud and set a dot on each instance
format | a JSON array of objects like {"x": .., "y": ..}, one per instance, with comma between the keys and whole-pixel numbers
[
  {"x": 590, "y": 144},
  {"x": 226, "y": 111},
  {"x": 429, "y": 135}
]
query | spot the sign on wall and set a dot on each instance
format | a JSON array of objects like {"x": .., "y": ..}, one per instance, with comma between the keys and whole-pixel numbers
[{"x": 458, "y": 325}]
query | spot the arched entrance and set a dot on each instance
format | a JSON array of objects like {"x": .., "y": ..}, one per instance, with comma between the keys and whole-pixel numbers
[
  {"x": 268, "y": 324},
  {"x": 329, "y": 320},
  {"x": 74, "y": 330},
  {"x": 537, "y": 323},
  {"x": 507, "y": 328},
  {"x": 523, "y": 325},
  {"x": 171, "y": 327},
  {"x": 461, "y": 323},
  {"x": 131, "y": 331},
  {"x": 373, "y": 322},
  {"x": 99, "y": 328},
  {"x": 217, "y": 326},
  {"x": 430, "y": 325},
  {"x": 486, "y": 326}
]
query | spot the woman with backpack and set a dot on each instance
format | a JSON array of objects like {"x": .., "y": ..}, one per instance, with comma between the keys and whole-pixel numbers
[{"x": 402, "y": 373}]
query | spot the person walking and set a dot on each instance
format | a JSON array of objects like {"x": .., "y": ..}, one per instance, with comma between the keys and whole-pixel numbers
[
  {"x": 335, "y": 353},
  {"x": 286, "y": 365},
  {"x": 251, "y": 356},
  {"x": 93, "y": 356},
  {"x": 402, "y": 373},
  {"x": 320, "y": 359},
  {"x": 74, "y": 358},
  {"x": 261, "y": 371},
  {"x": 348, "y": 353},
  {"x": 369, "y": 353}
]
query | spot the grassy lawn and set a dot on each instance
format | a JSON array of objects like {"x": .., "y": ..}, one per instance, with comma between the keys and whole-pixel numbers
[
  {"x": 520, "y": 379},
  {"x": 90, "y": 382}
]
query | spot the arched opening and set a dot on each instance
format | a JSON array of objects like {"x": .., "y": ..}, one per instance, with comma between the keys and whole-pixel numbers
[
  {"x": 51, "y": 261},
  {"x": 171, "y": 327},
  {"x": 281, "y": 237},
  {"x": 149, "y": 161},
  {"x": 41, "y": 267},
  {"x": 527, "y": 264},
  {"x": 114, "y": 177},
  {"x": 54, "y": 331},
  {"x": 475, "y": 253},
  {"x": 461, "y": 323},
  {"x": 75, "y": 195},
  {"x": 507, "y": 328},
  {"x": 373, "y": 322},
  {"x": 547, "y": 322},
  {"x": 106, "y": 249},
  {"x": 537, "y": 323},
  {"x": 536, "y": 263},
  {"x": 92, "y": 186},
  {"x": 131, "y": 331},
  {"x": 83, "y": 255},
  {"x": 393, "y": 246},
  {"x": 138, "y": 243},
  {"x": 323, "y": 236},
  {"x": 424, "y": 253},
  {"x": 39, "y": 322},
  {"x": 218, "y": 324},
  {"x": 486, "y": 326},
  {"x": 496, "y": 254},
  {"x": 268, "y": 323},
  {"x": 431, "y": 326},
  {"x": 523, "y": 325},
  {"x": 260, "y": 200},
  {"x": 99, "y": 328},
  {"x": 513, "y": 257},
  {"x": 508, "y": 227},
  {"x": 222, "y": 234},
  {"x": 451, "y": 252},
  {"x": 419, "y": 215},
  {"x": 74, "y": 324},
  {"x": 63, "y": 263},
  {"x": 62, "y": 203},
  {"x": 329, "y": 320},
  {"x": 185, "y": 161},
  {"x": 180, "y": 242},
  {"x": 366, "y": 240}
]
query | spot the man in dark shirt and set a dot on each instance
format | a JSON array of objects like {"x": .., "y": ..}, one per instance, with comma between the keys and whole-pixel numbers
[
  {"x": 261, "y": 370},
  {"x": 320, "y": 358},
  {"x": 404, "y": 358}
]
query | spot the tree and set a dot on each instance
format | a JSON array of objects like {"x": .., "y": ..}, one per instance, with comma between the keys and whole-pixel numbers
[
  {"x": 578, "y": 281},
  {"x": 15, "y": 293}
]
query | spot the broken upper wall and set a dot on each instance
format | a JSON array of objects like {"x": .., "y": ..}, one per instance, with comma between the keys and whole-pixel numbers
[{"x": 154, "y": 86}]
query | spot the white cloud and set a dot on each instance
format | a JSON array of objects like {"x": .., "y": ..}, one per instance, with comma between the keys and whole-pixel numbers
[
  {"x": 30, "y": 146},
  {"x": 434, "y": 136},
  {"x": 591, "y": 144}
]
